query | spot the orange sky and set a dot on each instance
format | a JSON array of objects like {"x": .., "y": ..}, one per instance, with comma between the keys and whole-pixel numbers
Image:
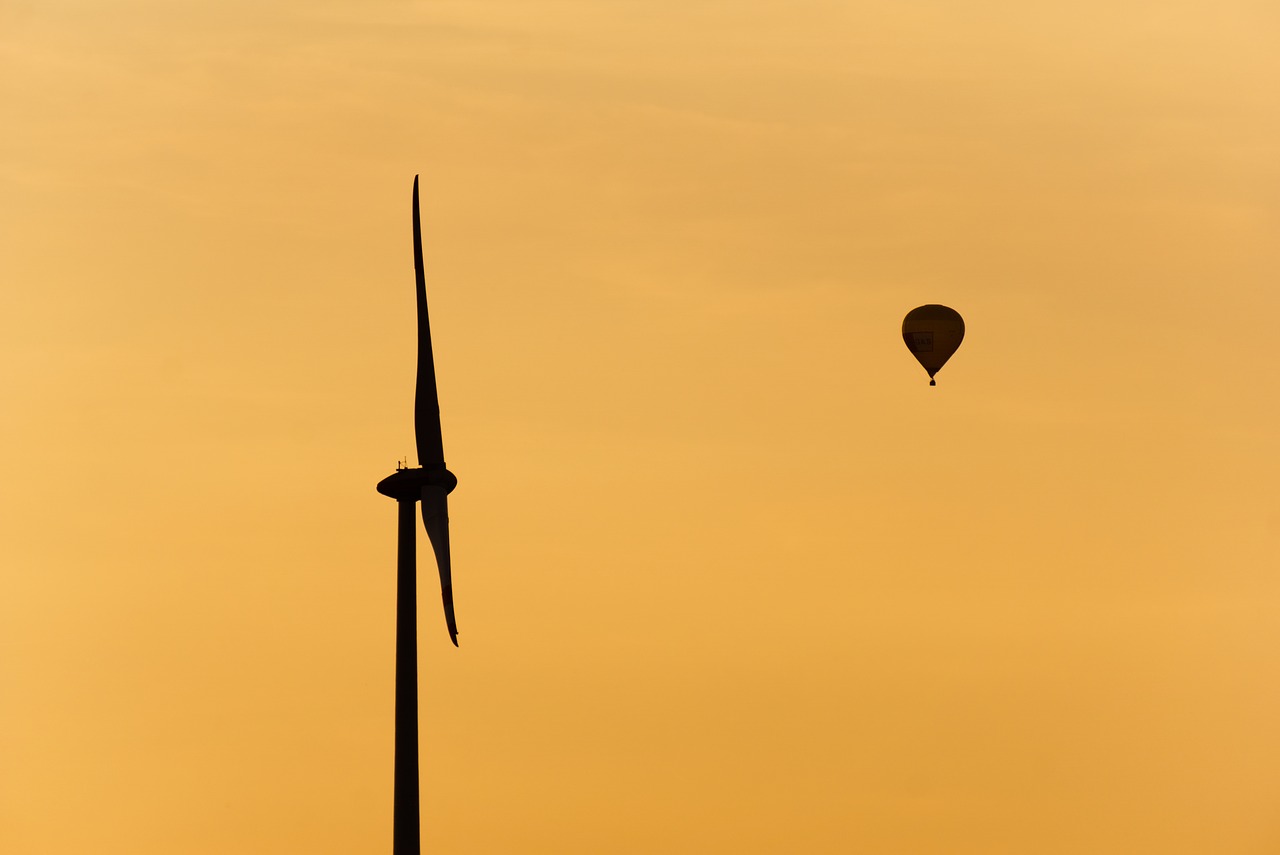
[{"x": 730, "y": 576}]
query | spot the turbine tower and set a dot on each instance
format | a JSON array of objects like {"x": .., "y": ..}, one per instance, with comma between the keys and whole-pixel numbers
[{"x": 430, "y": 484}]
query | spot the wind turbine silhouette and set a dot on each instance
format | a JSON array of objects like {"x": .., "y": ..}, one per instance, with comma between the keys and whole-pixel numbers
[{"x": 430, "y": 483}]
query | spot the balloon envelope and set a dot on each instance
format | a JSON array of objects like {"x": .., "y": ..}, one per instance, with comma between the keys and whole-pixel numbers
[{"x": 932, "y": 334}]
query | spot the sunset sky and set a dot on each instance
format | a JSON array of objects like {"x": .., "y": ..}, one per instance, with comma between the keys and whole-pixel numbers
[{"x": 730, "y": 576}]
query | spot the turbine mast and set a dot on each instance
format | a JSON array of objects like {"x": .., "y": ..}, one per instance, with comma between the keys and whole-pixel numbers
[{"x": 406, "y": 833}]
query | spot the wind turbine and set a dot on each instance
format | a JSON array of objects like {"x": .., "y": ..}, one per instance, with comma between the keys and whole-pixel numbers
[{"x": 430, "y": 483}]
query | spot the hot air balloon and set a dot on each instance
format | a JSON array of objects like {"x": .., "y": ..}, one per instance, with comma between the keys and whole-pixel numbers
[{"x": 932, "y": 334}]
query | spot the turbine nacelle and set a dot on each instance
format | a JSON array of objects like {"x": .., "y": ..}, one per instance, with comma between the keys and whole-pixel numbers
[{"x": 405, "y": 485}]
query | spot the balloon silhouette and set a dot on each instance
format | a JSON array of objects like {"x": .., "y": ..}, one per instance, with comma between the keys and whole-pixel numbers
[{"x": 932, "y": 334}]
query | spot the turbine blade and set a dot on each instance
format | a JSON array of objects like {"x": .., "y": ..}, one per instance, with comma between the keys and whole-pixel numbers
[
  {"x": 426, "y": 404},
  {"x": 435, "y": 517}
]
